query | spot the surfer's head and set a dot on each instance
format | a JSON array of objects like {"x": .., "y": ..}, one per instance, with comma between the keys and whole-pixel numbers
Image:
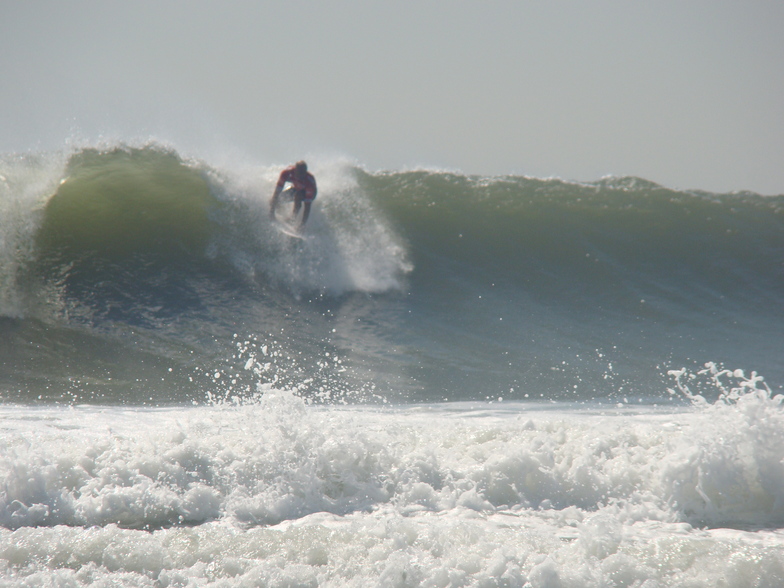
[{"x": 301, "y": 167}]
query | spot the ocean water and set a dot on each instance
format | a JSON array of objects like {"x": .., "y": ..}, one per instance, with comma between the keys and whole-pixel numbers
[{"x": 451, "y": 381}]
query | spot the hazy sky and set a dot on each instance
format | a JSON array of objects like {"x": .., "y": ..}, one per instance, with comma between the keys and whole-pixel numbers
[{"x": 687, "y": 93}]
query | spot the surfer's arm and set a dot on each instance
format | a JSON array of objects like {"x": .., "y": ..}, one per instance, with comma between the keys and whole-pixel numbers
[
  {"x": 281, "y": 182},
  {"x": 274, "y": 200},
  {"x": 284, "y": 177}
]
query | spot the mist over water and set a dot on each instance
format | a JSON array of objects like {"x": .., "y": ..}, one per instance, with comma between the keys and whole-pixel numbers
[{"x": 451, "y": 381}]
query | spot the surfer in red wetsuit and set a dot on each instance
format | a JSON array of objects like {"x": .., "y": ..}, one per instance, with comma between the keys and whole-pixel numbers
[{"x": 302, "y": 190}]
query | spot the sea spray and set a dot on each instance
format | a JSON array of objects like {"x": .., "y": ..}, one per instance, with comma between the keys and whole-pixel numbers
[{"x": 25, "y": 183}]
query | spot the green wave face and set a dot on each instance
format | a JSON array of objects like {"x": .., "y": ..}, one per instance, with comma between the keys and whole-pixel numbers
[{"x": 126, "y": 201}]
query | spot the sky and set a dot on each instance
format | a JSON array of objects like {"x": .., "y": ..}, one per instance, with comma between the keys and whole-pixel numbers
[{"x": 686, "y": 93}]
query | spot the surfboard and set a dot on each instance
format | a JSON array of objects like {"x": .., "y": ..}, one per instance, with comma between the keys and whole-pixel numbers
[{"x": 287, "y": 229}]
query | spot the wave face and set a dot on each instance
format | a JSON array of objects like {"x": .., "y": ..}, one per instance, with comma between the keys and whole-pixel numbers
[
  {"x": 137, "y": 275},
  {"x": 451, "y": 381}
]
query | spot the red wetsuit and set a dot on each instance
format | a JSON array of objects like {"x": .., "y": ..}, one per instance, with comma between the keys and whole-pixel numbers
[{"x": 307, "y": 185}]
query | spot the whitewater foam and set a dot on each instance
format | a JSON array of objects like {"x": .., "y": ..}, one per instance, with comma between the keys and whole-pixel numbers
[{"x": 280, "y": 492}]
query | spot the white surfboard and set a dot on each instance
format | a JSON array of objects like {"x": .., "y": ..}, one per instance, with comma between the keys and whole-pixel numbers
[{"x": 289, "y": 230}]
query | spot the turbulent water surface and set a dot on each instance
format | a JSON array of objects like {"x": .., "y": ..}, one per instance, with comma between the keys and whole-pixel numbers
[{"x": 451, "y": 381}]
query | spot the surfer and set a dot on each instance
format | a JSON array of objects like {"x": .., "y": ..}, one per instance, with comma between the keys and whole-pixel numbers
[{"x": 302, "y": 190}]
